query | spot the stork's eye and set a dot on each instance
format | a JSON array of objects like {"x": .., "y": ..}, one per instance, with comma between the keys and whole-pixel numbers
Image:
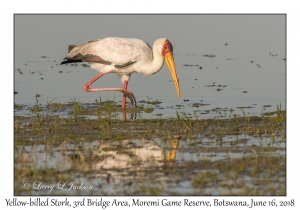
[{"x": 166, "y": 47}]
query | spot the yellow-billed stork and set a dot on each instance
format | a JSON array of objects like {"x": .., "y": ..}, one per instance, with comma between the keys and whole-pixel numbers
[{"x": 123, "y": 56}]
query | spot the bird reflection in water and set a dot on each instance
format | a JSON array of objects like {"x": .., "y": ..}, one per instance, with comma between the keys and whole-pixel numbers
[
  {"x": 171, "y": 157},
  {"x": 129, "y": 155}
]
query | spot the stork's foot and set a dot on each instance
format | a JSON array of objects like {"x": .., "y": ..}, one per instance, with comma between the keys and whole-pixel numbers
[
  {"x": 130, "y": 95},
  {"x": 132, "y": 116}
]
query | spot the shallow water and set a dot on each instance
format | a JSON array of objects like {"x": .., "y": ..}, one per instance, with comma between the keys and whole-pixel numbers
[
  {"x": 242, "y": 60},
  {"x": 235, "y": 84},
  {"x": 121, "y": 167}
]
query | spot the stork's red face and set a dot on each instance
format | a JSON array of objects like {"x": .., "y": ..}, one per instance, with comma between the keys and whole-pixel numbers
[
  {"x": 167, "y": 47},
  {"x": 167, "y": 52}
]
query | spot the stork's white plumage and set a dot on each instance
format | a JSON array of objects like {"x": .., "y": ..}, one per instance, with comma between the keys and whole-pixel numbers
[{"x": 123, "y": 56}]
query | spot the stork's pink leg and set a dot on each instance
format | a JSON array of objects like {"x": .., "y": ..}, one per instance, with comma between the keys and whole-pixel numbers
[
  {"x": 124, "y": 95},
  {"x": 124, "y": 90},
  {"x": 87, "y": 88}
]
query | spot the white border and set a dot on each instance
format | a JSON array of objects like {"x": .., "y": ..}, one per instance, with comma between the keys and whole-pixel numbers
[{"x": 153, "y": 6}]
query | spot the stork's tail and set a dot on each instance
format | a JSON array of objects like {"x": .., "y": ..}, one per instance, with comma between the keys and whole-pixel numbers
[
  {"x": 71, "y": 47},
  {"x": 67, "y": 60}
]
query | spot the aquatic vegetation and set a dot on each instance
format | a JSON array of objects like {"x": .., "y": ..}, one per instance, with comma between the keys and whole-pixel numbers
[
  {"x": 183, "y": 155},
  {"x": 150, "y": 102},
  {"x": 209, "y": 55}
]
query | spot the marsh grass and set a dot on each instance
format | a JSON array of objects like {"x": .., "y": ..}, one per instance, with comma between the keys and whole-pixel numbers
[{"x": 232, "y": 155}]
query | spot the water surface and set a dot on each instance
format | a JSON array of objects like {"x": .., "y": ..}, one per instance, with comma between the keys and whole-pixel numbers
[{"x": 222, "y": 60}]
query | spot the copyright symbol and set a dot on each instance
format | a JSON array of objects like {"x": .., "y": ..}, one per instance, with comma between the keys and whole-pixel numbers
[{"x": 26, "y": 185}]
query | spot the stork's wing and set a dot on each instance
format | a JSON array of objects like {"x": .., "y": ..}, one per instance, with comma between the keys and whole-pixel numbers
[{"x": 110, "y": 51}]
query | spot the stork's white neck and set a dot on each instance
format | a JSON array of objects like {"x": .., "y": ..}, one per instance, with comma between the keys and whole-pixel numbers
[{"x": 154, "y": 63}]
